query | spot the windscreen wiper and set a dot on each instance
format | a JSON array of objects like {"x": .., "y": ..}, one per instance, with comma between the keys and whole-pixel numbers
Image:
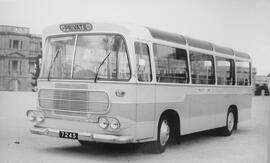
[
  {"x": 95, "y": 80},
  {"x": 55, "y": 56}
]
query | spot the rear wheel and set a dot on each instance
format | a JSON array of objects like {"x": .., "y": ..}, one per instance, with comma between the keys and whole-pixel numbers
[
  {"x": 230, "y": 123},
  {"x": 163, "y": 135}
]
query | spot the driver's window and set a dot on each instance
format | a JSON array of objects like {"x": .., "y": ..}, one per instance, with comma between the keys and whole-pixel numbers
[{"x": 144, "y": 73}]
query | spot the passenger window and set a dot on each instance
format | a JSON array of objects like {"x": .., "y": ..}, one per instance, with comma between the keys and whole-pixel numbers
[
  {"x": 243, "y": 73},
  {"x": 171, "y": 64},
  {"x": 144, "y": 73},
  {"x": 202, "y": 68},
  {"x": 225, "y": 71}
]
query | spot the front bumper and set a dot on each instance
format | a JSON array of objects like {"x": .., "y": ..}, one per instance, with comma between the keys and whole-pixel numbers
[{"x": 84, "y": 136}]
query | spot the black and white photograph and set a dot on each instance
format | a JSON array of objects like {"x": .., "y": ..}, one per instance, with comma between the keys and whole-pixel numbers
[{"x": 89, "y": 81}]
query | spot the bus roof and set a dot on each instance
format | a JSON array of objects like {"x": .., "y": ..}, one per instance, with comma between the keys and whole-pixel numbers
[
  {"x": 148, "y": 33},
  {"x": 180, "y": 39}
]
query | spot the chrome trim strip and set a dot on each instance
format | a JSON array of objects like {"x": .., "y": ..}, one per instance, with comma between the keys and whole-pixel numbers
[
  {"x": 74, "y": 100},
  {"x": 84, "y": 135},
  {"x": 68, "y": 111}
]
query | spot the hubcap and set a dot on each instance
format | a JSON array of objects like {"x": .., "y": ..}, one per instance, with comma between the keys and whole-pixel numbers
[
  {"x": 230, "y": 121},
  {"x": 164, "y": 132}
]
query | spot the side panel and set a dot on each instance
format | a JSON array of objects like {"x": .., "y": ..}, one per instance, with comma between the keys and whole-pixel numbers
[
  {"x": 201, "y": 102},
  {"x": 241, "y": 97},
  {"x": 202, "y": 107},
  {"x": 145, "y": 111},
  {"x": 208, "y": 109}
]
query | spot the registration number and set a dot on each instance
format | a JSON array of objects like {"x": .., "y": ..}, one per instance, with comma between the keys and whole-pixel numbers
[{"x": 68, "y": 135}]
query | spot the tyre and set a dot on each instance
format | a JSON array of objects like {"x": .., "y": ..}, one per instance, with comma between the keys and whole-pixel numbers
[
  {"x": 230, "y": 123},
  {"x": 163, "y": 136}
]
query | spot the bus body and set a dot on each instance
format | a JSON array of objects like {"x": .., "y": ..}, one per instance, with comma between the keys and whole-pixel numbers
[{"x": 115, "y": 83}]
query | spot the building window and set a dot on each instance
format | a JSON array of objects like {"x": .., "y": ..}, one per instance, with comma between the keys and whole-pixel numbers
[
  {"x": 171, "y": 64},
  {"x": 14, "y": 67},
  {"x": 225, "y": 71},
  {"x": 202, "y": 68},
  {"x": 143, "y": 58},
  {"x": 31, "y": 67},
  {"x": 15, "y": 44},
  {"x": 34, "y": 46},
  {"x": 21, "y": 44},
  {"x": 10, "y": 44}
]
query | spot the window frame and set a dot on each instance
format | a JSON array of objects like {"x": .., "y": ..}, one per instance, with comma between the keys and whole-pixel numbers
[
  {"x": 232, "y": 72},
  {"x": 190, "y": 52},
  {"x": 12, "y": 66},
  {"x": 43, "y": 76},
  {"x": 150, "y": 59},
  {"x": 155, "y": 44},
  {"x": 21, "y": 44},
  {"x": 29, "y": 66},
  {"x": 13, "y": 43},
  {"x": 250, "y": 73}
]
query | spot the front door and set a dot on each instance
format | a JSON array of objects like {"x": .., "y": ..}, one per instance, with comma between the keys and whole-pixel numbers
[{"x": 145, "y": 92}]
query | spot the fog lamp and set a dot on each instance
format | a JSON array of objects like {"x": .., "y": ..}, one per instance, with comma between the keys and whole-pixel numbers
[{"x": 103, "y": 122}]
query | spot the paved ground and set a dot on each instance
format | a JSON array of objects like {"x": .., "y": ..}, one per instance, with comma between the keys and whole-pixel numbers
[{"x": 247, "y": 145}]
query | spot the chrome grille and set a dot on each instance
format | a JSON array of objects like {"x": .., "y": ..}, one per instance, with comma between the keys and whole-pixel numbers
[{"x": 74, "y": 102}]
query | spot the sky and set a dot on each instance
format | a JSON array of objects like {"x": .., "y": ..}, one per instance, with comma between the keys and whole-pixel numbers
[{"x": 243, "y": 25}]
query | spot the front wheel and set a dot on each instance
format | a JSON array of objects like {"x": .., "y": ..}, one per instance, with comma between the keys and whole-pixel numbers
[
  {"x": 230, "y": 124},
  {"x": 163, "y": 135}
]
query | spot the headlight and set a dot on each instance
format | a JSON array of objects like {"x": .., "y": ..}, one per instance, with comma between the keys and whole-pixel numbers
[
  {"x": 114, "y": 124},
  {"x": 103, "y": 122},
  {"x": 39, "y": 117},
  {"x": 35, "y": 116},
  {"x": 31, "y": 116}
]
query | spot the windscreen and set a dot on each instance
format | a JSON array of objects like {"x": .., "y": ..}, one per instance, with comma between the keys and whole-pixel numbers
[{"x": 85, "y": 57}]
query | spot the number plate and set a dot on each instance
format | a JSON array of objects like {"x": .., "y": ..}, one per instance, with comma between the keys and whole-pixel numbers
[{"x": 68, "y": 135}]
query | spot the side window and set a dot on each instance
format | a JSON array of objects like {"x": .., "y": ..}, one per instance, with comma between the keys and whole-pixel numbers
[
  {"x": 225, "y": 71},
  {"x": 243, "y": 73},
  {"x": 143, "y": 62},
  {"x": 202, "y": 68},
  {"x": 171, "y": 64}
]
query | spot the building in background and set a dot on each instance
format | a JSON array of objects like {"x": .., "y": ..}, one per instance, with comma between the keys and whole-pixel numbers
[{"x": 18, "y": 52}]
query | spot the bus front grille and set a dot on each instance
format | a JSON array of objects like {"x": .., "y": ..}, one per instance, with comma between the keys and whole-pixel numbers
[{"x": 74, "y": 102}]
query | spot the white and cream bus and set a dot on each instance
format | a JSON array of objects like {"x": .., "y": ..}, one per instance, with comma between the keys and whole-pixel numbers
[{"x": 106, "y": 82}]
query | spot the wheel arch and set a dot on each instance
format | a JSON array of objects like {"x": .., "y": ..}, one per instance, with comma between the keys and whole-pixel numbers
[{"x": 174, "y": 120}]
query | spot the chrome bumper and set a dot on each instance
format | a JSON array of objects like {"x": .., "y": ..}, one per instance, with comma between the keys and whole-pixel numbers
[{"x": 84, "y": 136}]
